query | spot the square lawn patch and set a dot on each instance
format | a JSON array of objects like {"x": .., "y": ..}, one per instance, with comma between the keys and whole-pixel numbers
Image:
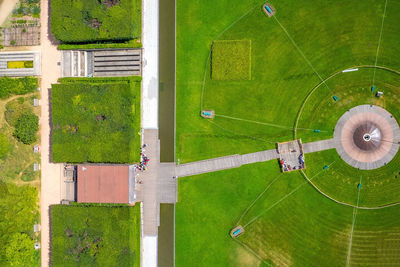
[
  {"x": 93, "y": 235},
  {"x": 93, "y": 122},
  {"x": 231, "y": 60}
]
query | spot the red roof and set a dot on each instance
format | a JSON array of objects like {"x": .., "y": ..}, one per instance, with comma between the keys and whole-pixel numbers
[{"x": 103, "y": 184}]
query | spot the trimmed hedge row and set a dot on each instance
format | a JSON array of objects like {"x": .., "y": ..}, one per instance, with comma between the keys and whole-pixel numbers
[
  {"x": 96, "y": 120},
  {"x": 84, "y": 21},
  {"x": 128, "y": 44}
]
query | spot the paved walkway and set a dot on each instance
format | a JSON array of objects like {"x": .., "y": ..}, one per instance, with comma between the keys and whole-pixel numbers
[
  {"x": 235, "y": 161},
  {"x": 51, "y": 173},
  {"x": 6, "y": 8}
]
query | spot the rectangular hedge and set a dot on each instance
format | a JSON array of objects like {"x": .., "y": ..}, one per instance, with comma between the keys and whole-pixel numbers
[
  {"x": 86, "y": 21},
  {"x": 231, "y": 60},
  {"x": 96, "y": 120},
  {"x": 96, "y": 235}
]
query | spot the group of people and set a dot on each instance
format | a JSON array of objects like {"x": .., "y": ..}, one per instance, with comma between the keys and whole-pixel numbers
[{"x": 142, "y": 166}]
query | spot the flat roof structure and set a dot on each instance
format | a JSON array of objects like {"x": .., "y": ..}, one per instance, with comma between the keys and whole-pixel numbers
[{"x": 104, "y": 184}]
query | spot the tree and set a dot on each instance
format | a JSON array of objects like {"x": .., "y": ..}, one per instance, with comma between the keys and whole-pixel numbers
[
  {"x": 20, "y": 250},
  {"x": 3, "y": 145},
  {"x": 26, "y": 128}
]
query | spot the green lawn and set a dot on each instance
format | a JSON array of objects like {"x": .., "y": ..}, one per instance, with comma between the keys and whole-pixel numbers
[
  {"x": 96, "y": 120},
  {"x": 85, "y": 21},
  {"x": 84, "y": 235},
  {"x": 304, "y": 42}
]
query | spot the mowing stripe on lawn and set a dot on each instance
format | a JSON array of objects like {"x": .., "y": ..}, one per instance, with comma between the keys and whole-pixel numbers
[
  {"x": 283, "y": 198},
  {"x": 209, "y": 54},
  {"x": 264, "y": 123},
  {"x": 355, "y": 209},
  {"x": 379, "y": 42},
  {"x": 301, "y": 52},
  {"x": 260, "y": 195},
  {"x": 249, "y": 136},
  {"x": 251, "y": 251}
]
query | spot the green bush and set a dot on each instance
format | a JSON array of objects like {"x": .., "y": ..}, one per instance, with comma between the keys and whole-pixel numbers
[
  {"x": 3, "y": 145},
  {"x": 17, "y": 86},
  {"x": 26, "y": 128},
  {"x": 83, "y": 21},
  {"x": 95, "y": 235},
  {"x": 231, "y": 60},
  {"x": 93, "y": 120},
  {"x": 18, "y": 213}
]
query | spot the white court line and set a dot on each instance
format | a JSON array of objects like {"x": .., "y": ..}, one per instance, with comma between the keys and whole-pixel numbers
[
  {"x": 355, "y": 209},
  {"x": 379, "y": 43}
]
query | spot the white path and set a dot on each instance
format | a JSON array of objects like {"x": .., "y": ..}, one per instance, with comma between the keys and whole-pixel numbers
[
  {"x": 149, "y": 240},
  {"x": 51, "y": 173}
]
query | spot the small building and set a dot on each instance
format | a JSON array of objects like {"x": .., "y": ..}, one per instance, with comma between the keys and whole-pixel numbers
[{"x": 104, "y": 184}]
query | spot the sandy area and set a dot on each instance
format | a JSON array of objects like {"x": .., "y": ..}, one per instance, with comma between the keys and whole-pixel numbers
[
  {"x": 6, "y": 6},
  {"x": 51, "y": 173}
]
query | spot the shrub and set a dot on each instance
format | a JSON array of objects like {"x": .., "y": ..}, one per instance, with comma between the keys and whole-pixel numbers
[
  {"x": 231, "y": 60},
  {"x": 26, "y": 128},
  {"x": 83, "y": 21},
  {"x": 94, "y": 121},
  {"x": 17, "y": 86},
  {"x": 95, "y": 235},
  {"x": 3, "y": 145}
]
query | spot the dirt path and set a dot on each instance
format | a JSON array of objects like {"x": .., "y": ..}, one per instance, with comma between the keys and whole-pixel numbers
[
  {"x": 51, "y": 173},
  {"x": 6, "y": 6},
  {"x": 4, "y": 102}
]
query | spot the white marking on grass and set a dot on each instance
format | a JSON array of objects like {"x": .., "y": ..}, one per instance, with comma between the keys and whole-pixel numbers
[
  {"x": 379, "y": 43},
  {"x": 283, "y": 198},
  {"x": 355, "y": 209},
  {"x": 263, "y": 123},
  {"x": 260, "y": 195},
  {"x": 350, "y": 70},
  {"x": 301, "y": 52}
]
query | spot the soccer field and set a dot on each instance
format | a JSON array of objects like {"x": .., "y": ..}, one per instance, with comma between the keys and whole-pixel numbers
[{"x": 284, "y": 90}]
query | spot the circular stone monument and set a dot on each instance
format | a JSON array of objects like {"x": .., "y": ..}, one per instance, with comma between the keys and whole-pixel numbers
[{"x": 367, "y": 137}]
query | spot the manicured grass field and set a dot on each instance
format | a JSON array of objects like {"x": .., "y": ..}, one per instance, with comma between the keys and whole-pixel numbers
[
  {"x": 304, "y": 43},
  {"x": 231, "y": 60},
  {"x": 85, "y": 21},
  {"x": 84, "y": 235},
  {"x": 96, "y": 120}
]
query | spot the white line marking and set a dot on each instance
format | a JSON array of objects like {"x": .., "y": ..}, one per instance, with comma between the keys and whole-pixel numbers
[
  {"x": 379, "y": 43},
  {"x": 355, "y": 209},
  {"x": 301, "y": 52}
]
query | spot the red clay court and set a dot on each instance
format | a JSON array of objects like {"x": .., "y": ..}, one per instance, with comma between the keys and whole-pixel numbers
[{"x": 103, "y": 184}]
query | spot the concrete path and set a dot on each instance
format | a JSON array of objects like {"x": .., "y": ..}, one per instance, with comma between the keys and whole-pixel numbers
[
  {"x": 51, "y": 173},
  {"x": 235, "y": 161},
  {"x": 319, "y": 146}
]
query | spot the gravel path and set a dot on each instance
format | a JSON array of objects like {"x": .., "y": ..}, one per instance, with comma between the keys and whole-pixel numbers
[{"x": 51, "y": 173}]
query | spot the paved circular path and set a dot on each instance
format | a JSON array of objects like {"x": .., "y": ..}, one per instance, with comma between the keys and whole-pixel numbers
[{"x": 367, "y": 137}]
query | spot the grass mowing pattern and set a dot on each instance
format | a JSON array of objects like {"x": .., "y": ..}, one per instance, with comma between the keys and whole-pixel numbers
[
  {"x": 305, "y": 229},
  {"x": 85, "y": 235},
  {"x": 231, "y": 60},
  {"x": 92, "y": 20},
  {"x": 96, "y": 120}
]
